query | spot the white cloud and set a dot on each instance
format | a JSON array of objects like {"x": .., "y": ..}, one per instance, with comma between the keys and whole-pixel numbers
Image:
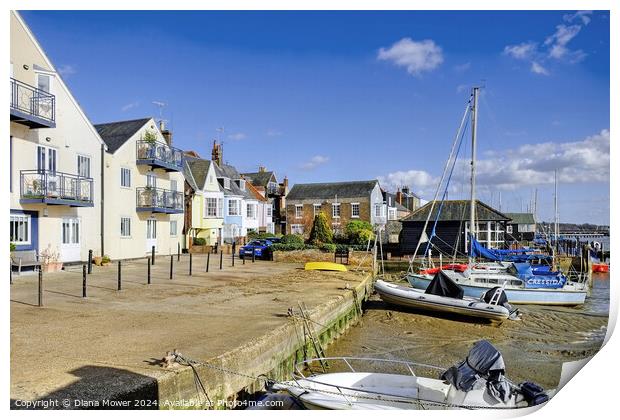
[
  {"x": 558, "y": 41},
  {"x": 539, "y": 69},
  {"x": 272, "y": 132},
  {"x": 583, "y": 15},
  {"x": 129, "y": 106},
  {"x": 237, "y": 136},
  {"x": 416, "y": 56},
  {"x": 420, "y": 182},
  {"x": 67, "y": 70},
  {"x": 314, "y": 162},
  {"x": 521, "y": 51},
  {"x": 581, "y": 161},
  {"x": 462, "y": 67}
]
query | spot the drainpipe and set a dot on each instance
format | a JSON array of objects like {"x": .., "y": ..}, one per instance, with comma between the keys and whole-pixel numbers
[{"x": 102, "y": 193}]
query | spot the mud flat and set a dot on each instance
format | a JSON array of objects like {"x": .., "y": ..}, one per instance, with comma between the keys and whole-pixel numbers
[{"x": 533, "y": 348}]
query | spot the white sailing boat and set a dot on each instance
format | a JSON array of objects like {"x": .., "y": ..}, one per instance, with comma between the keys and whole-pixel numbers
[{"x": 480, "y": 278}]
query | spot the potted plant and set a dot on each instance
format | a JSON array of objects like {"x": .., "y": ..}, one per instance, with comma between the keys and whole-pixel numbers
[
  {"x": 50, "y": 260},
  {"x": 105, "y": 260}
]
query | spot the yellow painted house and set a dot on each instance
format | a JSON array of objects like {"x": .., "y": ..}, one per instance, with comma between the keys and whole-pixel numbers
[{"x": 204, "y": 201}]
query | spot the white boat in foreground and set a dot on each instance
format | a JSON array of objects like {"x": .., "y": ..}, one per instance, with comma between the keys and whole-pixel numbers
[
  {"x": 464, "y": 306},
  {"x": 476, "y": 382}
]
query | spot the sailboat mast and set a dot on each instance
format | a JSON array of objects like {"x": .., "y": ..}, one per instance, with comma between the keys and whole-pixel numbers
[
  {"x": 472, "y": 204},
  {"x": 555, "y": 209}
]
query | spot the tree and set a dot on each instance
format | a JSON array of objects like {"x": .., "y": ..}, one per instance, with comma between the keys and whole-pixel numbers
[
  {"x": 321, "y": 233},
  {"x": 358, "y": 232}
]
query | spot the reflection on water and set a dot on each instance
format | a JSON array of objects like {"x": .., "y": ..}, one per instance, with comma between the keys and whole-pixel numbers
[{"x": 533, "y": 348}]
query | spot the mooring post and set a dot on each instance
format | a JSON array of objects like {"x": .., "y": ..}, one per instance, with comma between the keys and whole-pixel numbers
[
  {"x": 171, "y": 263},
  {"x": 148, "y": 270},
  {"x": 208, "y": 258},
  {"x": 119, "y": 275},
  {"x": 190, "y": 263},
  {"x": 221, "y": 258},
  {"x": 90, "y": 261},
  {"x": 40, "y": 287},
  {"x": 178, "y": 251},
  {"x": 84, "y": 280},
  {"x": 153, "y": 255}
]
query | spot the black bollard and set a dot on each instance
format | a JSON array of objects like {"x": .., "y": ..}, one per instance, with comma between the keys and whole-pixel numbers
[
  {"x": 208, "y": 257},
  {"x": 171, "y": 262},
  {"x": 119, "y": 276},
  {"x": 253, "y": 255},
  {"x": 233, "y": 259},
  {"x": 178, "y": 252},
  {"x": 40, "y": 287},
  {"x": 90, "y": 261},
  {"x": 84, "y": 280},
  {"x": 148, "y": 270},
  {"x": 221, "y": 258},
  {"x": 190, "y": 264},
  {"x": 153, "y": 255}
]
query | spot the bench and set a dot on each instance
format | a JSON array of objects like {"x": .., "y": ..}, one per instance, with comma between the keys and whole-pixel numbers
[
  {"x": 342, "y": 254},
  {"x": 21, "y": 259}
]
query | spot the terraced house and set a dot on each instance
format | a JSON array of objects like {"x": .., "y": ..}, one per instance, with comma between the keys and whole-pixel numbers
[
  {"x": 266, "y": 183},
  {"x": 339, "y": 201},
  {"x": 55, "y": 158},
  {"x": 143, "y": 189},
  {"x": 204, "y": 202}
]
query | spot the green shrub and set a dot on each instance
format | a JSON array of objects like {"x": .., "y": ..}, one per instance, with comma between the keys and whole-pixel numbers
[
  {"x": 264, "y": 235},
  {"x": 358, "y": 232},
  {"x": 199, "y": 241},
  {"x": 321, "y": 232},
  {"x": 328, "y": 247},
  {"x": 105, "y": 259},
  {"x": 12, "y": 247},
  {"x": 292, "y": 239}
]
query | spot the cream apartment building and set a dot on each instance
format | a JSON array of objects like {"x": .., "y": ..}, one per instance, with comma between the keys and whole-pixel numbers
[
  {"x": 143, "y": 189},
  {"x": 55, "y": 158}
]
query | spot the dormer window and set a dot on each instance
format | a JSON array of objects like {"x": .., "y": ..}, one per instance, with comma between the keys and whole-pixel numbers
[
  {"x": 241, "y": 183},
  {"x": 227, "y": 183}
]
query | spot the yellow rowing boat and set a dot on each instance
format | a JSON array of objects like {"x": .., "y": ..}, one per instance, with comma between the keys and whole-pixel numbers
[{"x": 325, "y": 266}]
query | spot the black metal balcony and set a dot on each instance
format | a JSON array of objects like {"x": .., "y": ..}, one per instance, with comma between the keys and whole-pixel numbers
[
  {"x": 159, "y": 155},
  {"x": 32, "y": 106},
  {"x": 158, "y": 200},
  {"x": 57, "y": 188}
]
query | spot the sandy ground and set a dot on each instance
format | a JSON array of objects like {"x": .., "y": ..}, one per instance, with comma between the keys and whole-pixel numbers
[
  {"x": 74, "y": 345},
  {"x": 533, "y": 348}
]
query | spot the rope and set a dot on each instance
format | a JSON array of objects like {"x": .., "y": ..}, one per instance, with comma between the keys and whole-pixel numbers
[{"x": 269, "y": 383}]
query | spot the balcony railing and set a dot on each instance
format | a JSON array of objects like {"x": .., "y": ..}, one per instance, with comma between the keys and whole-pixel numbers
[
  {"x": 159, "y": 200},
  {"x": 52, "y": 187},
  {"x": 159, "y": 155},
  {"x": 31, "y": 106}
]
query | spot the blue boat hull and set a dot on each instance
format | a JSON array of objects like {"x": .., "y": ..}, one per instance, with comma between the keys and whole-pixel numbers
[{"x": 516, "y": 296}]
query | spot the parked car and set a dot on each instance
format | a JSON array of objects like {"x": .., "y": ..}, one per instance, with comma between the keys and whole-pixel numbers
[{"x": 260, "y": 247}]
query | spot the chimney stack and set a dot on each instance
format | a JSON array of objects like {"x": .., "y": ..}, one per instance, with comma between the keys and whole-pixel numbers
[
  {"x": 405, "y": 190},
  {"x": 399, "y": 197},
  {"x": 261, "y": 169},
  {"x": 216, "y": 153},
  {"x": 167, "y": 134}
]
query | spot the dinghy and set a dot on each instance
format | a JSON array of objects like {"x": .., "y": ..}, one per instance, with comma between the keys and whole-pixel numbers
[
  {"x": 476, "y": 382},
  {"x": 445, "y": 296},
  {"x": 324, "y": 266}
]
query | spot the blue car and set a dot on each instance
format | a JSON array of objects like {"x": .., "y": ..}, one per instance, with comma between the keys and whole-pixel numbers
[{"x": 260, "y": 247}]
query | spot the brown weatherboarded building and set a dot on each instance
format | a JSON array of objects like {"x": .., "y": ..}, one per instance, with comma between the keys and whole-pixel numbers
[{"x": 452, "y": 227}]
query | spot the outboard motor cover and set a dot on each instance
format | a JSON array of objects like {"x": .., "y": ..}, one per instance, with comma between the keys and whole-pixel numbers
[
  {"x": 533, "y": 393},
  {"x": 488, "y": 295},
  {"x": 484, "y": 365}
]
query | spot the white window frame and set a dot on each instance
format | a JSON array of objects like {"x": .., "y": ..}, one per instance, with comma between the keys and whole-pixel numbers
[
  {"x": 86, "y": 159},
  {"x": 47, "y": 158},
  {"x": 126, "y": 171},
  {"x": 299, "y": 211},
  {"x": 15, "y": 220},
  {"x": 151, "y": 180},
  {"x": 392, "y": 213},
  {"x": 242, "y": 185},
  {"x": 125, "y": 226},
  {"x": 336, "y": 210},
  {"x": 251, "y": 210},
  {"x": 173, "y": 232},
  {"x": 316, "y": 206},
  {"x": 353, "y": 206},
  {"x": 379, "y": 209},
  {"x": 227, "y": 183},
  {"x": 73, "y": 233},
  {"x": 216, "y": 202},
  {"x": 297, "y": 229},
  {"x": 151, "y": 229},
  {"x": 237, "y": 207}
]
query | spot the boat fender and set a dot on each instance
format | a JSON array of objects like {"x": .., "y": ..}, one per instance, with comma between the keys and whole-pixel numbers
[{"x": 533, "y": 393}]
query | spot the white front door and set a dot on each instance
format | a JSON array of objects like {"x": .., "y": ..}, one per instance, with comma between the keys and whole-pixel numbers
[
  {"x": 151, "y": 235},
  {"x": 70, "y": 239}
]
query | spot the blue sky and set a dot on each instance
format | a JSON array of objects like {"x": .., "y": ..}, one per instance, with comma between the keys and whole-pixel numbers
[{"x": 326, "y": 96}]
